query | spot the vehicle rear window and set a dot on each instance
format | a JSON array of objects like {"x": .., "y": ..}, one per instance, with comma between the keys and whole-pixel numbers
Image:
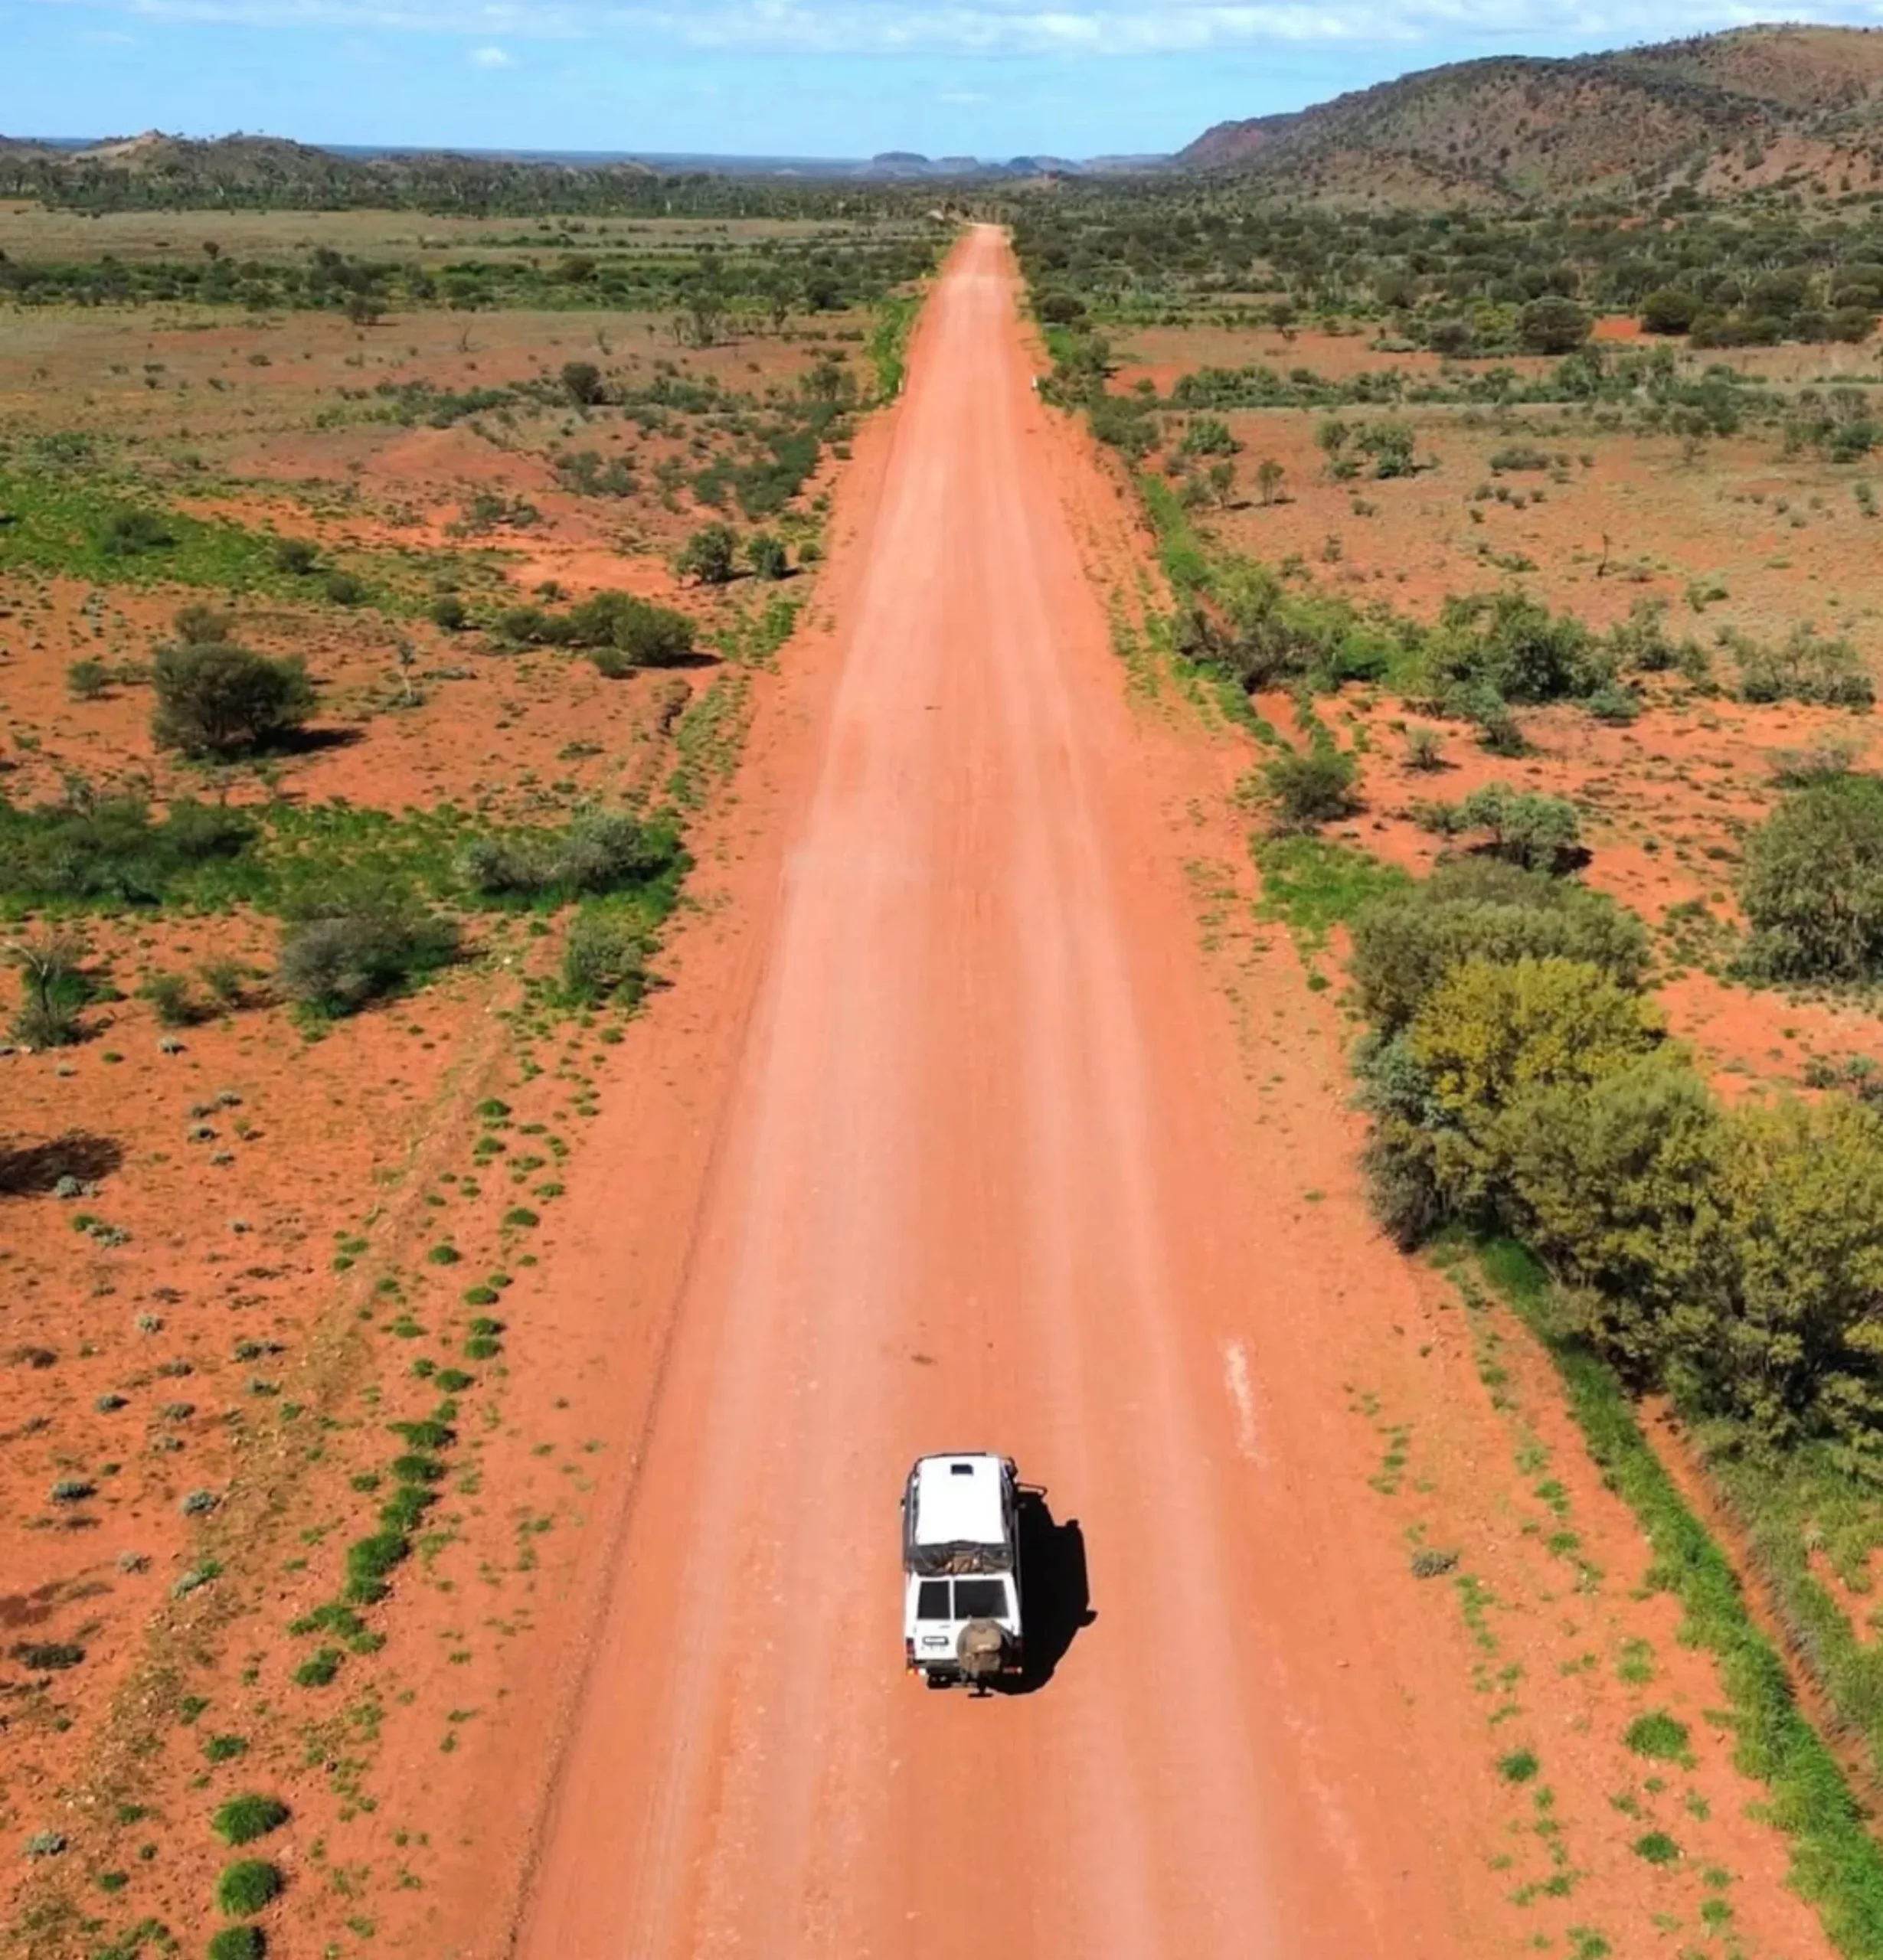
[
  {"x": 980, "y": 1599},
  {"x": 931, "y": 1600}
]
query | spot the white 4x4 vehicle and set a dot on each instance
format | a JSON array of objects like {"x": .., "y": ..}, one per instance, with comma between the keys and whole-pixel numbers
[{"x": 961, "y": 1570}]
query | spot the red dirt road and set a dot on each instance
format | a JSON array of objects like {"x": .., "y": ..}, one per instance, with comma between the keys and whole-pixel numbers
[{"x": 977, "y": 1185}]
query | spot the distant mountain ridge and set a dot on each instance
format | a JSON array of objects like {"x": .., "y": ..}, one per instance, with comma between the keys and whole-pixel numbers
[
  {"x": 156, "y": 166},
  {"x": 1750, "y": 108}
]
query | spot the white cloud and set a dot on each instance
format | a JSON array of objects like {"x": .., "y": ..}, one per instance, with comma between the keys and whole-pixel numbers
[
  {"x": 492, "y": 57},
  {"x": 1003, "y": 27}
]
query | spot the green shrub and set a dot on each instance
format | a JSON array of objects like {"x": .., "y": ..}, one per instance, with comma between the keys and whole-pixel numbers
[
  {"x": 1812, "y": 883},
  {"x": 371, "y": 1563},
  {"x": 1491, "y": 1036},
  {"x": 86, "y": 680},
  {"x": 343, "y": 588},
  {"x": 297, "y": 556},
  {"x": 169, "y": 994},
  {"x": 1491, "y": 1031},
  {"x": 54, "y": 987},
  {"x": 619, "y": 631},
  {"x": 767, "y": 557},
  {"x": 1508, "y": 643},
  {"x": 128, "y": 531},
  {"x": 199, "y": 624},
  {"x": 238, "y": 1943},
  {"x": 111, "y": 850},
  {"x": 242, "y": 1820},
  {"x": 448, "y": 613},
  {"x": 1405, "y": 943},
  {"x": 335, "y": 963},
  {"x": 1669, "y": 310},
  {"x": 1389, "y": 446},
  {"x": 1552, "y": 325},
  {"x": 1208, "y": 436},
  {"x": 1611, "y": 1182},
  {"x": 1806, "y": 666},
  {"x": 1532, "y": 830},
  {"x": 710, "y": 555},
  {"x": 1793, "y": 1329},
  {"x": 605, "y": 956},
  {"x": 247, "y": 1887},
  {"x": 582, "y": 382},
  {"x": 602, "y": 851},
  {"x": 217, "y": 699},
  {"x": 1658, "y": 1736},
  {"x": 320, "y": 1668},
  {"x": 1310, "y": 789}
]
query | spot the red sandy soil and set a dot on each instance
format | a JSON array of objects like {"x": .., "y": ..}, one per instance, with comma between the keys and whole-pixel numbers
[
  {"x": 1002, "y": 1160},
  {"x": 949, "y": 1132}
]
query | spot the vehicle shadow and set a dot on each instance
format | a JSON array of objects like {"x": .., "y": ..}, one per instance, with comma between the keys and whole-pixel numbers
[{"x": 1055, "y": 1592}]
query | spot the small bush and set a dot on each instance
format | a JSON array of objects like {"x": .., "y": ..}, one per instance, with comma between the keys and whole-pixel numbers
[
  {"x": 767, "y": 557},
  {"x": 247, "y": 1887},
  {"x": 337, "y": 963},
  {"x": 1311, "y": 789},
  {"x": 1552, "y": 325},
  {"x": 242, "y": 1820},
  {"x": 448, "y": 613},
  {"x": 1533, "y": 832},
  {"x": 169, "y": 994},
  {"x": 238, "y": 1943},
  {"x": 1424, "y": 751},
  {"x": 343, "y": 588},
  {"x": 1658, "y": 1736},
  {"x": 198, "y": 624},
  {"x": 1657, "y": 1848},
  {"x": 295, "y": 556},
  {"x": 1809, "y": 667},
  {"x": 86, "y": 680},
  {"x": 710, "y": 555},
  {"x": 602, "y": 851},
  {"x": 217, "y": 699},
  {"x": 1812, "y": 884},
  {"x": 46, "y": 1657},
  {"x": 371, "y": 1563},
  {"x": 127, "y": 532},
  {"x": 605, "y": 956},
  {"x": 318, "y": 1669},
  {"x": 582, "y": 382},
  {"x": 53, "y": 989}
]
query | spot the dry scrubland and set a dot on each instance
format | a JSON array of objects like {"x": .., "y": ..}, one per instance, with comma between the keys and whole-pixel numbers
[
  {"x": 310, "y": 1010},
  {"x": 1554, "y": 632},
  {"x": 1742, "y": 534}
]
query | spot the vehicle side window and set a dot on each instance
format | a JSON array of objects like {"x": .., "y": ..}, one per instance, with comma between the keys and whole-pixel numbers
[{"x": 931, "y": 1600}]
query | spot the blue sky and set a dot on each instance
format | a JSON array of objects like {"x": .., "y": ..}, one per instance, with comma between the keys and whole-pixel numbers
[{"x": 805, "y": 77}]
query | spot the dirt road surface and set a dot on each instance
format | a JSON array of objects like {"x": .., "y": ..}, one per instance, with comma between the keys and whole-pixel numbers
[{"x": 977, "y": 1184}]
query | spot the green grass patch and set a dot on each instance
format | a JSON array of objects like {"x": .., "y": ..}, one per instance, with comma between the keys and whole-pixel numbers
[
  {"x": 247, "y": 1887},
  {"x": 1658, "y": 1736},
  {"x": 1313, "y": 885},
  {"x": 889, "y": 342},
  {"x": 242, "y": 1820}
]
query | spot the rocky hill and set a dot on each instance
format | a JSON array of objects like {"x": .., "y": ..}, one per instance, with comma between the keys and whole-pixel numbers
[{"x": 1800, "y": 107}]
